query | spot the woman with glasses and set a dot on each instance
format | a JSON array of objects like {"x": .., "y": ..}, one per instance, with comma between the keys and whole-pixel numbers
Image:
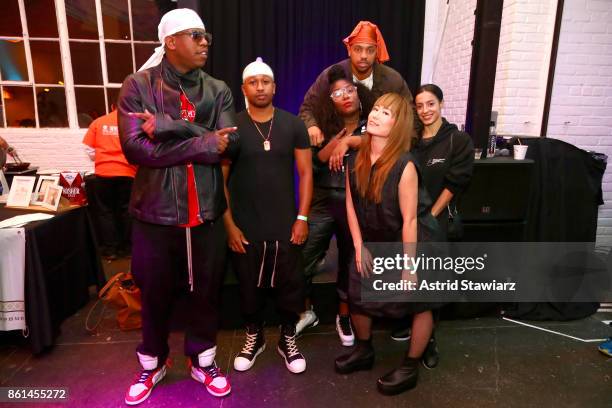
[{"x": 341, "y": 113}]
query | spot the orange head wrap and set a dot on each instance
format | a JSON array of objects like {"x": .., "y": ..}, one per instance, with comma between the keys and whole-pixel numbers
[{"x": 368, "y": 33}]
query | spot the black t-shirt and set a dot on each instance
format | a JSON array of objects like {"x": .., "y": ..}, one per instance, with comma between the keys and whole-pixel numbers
[{"x": 261, "y": 183}]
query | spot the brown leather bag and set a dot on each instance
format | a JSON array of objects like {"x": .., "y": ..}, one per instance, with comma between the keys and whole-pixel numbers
[{"x": 121, "y": 293}]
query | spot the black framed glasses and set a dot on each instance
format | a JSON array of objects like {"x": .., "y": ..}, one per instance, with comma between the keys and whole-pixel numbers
[{"x": 197, "y": 35}]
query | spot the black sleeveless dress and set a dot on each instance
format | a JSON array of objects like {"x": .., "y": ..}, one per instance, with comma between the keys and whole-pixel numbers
[{"x": 383, "y": 222}]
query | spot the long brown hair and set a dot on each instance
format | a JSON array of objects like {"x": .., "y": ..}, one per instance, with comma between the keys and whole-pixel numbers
[{"x": 399, "y": 141}]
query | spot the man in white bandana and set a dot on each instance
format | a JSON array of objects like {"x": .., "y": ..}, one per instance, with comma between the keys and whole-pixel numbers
[
  {"x": 177, "y": 123},
  {"x": 265, "y": 229}
]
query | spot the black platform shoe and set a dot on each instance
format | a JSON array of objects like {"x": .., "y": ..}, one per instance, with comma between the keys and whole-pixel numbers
[
  {"x": 431, "y": 356},
  {"x": 360, "y": 358},
  {"x": 401, "y": 379}
]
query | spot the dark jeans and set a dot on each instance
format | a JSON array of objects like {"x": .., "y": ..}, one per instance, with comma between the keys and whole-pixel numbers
[
  {"x": 321, "y": 229},
  {"x": 112, "y": 196},
  {"x": 159, "y": 266}
]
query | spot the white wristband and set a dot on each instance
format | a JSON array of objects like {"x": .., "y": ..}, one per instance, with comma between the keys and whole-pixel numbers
[{"x": 302, "y": 218}]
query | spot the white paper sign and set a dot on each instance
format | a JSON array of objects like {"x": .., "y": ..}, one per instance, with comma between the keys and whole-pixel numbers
[{"x": 12, "y": 279}]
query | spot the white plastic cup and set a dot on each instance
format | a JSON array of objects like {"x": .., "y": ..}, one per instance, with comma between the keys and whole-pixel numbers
[{"x": 520, "y": 151}]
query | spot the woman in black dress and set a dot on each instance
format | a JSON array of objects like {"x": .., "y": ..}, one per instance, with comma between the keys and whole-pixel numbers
[{"x": 386, "y": 202}]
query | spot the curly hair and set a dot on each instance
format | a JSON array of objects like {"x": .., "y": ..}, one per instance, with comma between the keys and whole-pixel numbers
[{"x": 325, "y": 113}]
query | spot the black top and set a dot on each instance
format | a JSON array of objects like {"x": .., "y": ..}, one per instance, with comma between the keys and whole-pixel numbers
[
  {"x": 325, "y": 179},
  {"x": 446, "y": 160},
  {"x": 261, "y": 183},
  {"x": 383, "y": 222}
]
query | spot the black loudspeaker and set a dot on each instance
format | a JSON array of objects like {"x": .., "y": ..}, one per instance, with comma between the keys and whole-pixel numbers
[{"x": 494, "y": 206}]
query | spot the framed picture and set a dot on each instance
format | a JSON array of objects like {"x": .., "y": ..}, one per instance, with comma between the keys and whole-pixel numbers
[
  {"x": 52, "y": 197},
  {"x": 41, "y": 188},
  {"x": 21, "y": 191}
]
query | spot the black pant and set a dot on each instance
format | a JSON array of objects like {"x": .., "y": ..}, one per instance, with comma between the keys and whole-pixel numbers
[
  {"x": 273, "y": 269},
  {"x": 159, "y": 266},
  {"x": 321, "y": 228},
  {"x": 112, "y": 196}
]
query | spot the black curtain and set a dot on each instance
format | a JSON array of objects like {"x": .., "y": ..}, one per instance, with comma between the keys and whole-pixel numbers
[{"x": 299, "y": 38}]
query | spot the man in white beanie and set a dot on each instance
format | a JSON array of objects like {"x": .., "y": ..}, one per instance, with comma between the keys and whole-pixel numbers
[
  {"x": 177, "y": 123},
  {"x": 265, "y": 230}
]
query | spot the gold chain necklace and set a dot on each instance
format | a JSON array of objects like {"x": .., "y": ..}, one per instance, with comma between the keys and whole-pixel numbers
[{"x": 266, "y": 139}]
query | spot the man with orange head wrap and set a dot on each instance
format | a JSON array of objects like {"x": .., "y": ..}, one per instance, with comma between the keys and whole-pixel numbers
[{"x": 367, "y": 52}]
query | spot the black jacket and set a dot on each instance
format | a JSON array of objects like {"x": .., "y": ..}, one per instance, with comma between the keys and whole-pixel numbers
[
  {"x": 445, "y": 167},
  {"x": 159, "y": 192}
]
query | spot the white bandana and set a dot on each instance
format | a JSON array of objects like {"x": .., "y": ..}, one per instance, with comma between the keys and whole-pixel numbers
[
  {"x": 171, "y": 23},
  {"x": 257, "y": 67}
]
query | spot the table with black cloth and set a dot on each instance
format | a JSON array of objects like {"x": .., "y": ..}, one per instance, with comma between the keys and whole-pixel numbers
[{"x": 61, "y": 264}]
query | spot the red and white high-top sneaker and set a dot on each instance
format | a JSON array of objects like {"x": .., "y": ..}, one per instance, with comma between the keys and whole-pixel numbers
[
  {"x": 216, "y": 383},
  {"x": 146, "y": 380}
]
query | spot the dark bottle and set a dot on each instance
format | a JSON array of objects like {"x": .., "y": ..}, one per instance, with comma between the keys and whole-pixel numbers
[{"x": 492, "y": 140}]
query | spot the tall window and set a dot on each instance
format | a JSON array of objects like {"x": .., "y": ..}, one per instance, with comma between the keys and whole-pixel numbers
[
  {"x": 33, "y": 94},
  {"x": 62, "y": 62}
]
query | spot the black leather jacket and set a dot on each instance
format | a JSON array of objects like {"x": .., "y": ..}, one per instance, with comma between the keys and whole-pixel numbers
[{"x": 159, "y": 192}]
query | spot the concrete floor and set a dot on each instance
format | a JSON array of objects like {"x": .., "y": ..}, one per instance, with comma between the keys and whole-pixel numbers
[{"x": 485, "y": 362}]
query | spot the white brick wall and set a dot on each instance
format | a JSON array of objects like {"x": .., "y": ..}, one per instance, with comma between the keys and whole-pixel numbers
[
  {"x": 451, "y": 67},
  {"x": 522, "y": 65},
  {"x": 581, "y": 105},
  {"x": 50, "y": 148}
]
